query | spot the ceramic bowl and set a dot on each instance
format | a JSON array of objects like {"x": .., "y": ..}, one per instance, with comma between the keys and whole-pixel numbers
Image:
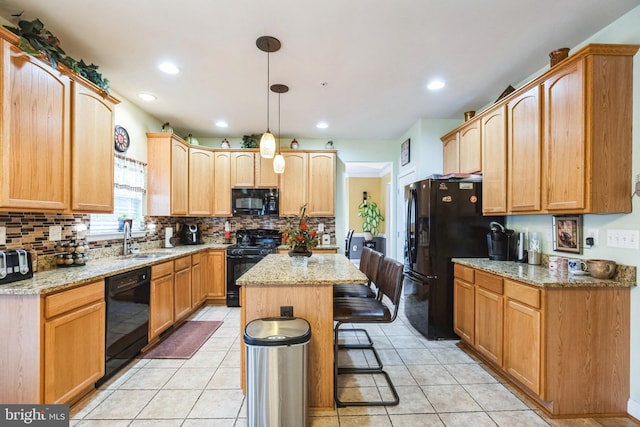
[{"x": 601, "y": 268}]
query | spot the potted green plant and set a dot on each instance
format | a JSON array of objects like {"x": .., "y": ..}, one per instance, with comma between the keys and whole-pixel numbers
[{"x": 370, "y": 211}]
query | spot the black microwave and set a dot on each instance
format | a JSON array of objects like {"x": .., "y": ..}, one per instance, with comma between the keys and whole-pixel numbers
[{"x": 254, "y": 201}]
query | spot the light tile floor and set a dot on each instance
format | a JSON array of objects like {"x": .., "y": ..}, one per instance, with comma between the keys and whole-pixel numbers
[{"x": 438, "y": 383}]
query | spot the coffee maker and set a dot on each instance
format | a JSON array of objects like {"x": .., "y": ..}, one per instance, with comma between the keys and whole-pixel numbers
[
  {"x": 501, "y": 243},
  {"x": 191, "y": 234}
]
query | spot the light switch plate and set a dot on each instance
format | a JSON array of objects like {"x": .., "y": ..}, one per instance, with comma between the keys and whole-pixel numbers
[
  {"x": 3, "y": 235},
  {"x": 55, "y": 233}
]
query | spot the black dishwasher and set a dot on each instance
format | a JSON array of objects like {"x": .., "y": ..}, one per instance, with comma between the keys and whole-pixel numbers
[{"x": 127, "y": 323}]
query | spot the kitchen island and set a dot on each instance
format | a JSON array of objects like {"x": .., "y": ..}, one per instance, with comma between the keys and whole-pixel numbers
[{"x": 273, "y": 283}]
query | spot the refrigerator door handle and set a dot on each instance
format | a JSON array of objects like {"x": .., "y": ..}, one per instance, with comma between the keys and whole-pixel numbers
[{"x": 411, "y": 219}]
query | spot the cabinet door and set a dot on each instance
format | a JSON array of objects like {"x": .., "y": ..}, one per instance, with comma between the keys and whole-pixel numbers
[
  {"x": 265, "y": 176},
  {"x": 564, "y": 139},
  {"x": 242, "y": 169},
  {"x": 488, "y": 324},
  {"x": 36, "y": 139},
  {"x": 450, "y": 154},
  {"x": 463, "y": 308},
  {"x": 198, "y": 293},
  {"x": 182, "y": 288},
  {"x": 470, "y": 150},
  {"x": 494, "y": 162},
  {"x": 522, "y": 343},
  {"x": 222, "y": 182},
  {"x": 322, "y": 177},
  {"x": 91, "y": 151},
  {"x": 200, "y": 182},
  {"x": 293, "y": 184},
  {"x": 179, "y": 178},
  {"x": 74, "y": 352},
  {"x": 525, "y": 151},
  {"x": 161, "y": 299},
  {"x": 215, "y": 277}
]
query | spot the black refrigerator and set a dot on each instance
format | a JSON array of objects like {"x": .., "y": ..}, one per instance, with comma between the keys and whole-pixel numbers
[{"x": 444, "y": 220}]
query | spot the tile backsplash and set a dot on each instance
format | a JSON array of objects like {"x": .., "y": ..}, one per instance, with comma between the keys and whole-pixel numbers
[{"x": 30, "y": 231}]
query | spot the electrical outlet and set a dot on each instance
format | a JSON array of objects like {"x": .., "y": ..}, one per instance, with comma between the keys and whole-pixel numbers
[
  {"x": 3, "y": 235},
  {"x": 286, "y": 311},
  {"x": 320, "y": 228},
  {"x": 593, "y": 233},
  {"x": 55, "y": 233}
]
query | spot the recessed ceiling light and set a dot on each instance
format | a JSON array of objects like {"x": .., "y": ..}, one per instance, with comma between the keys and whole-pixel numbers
[
  {"x": 322, "y": 125},
  {"x": 147, "y": 96},
  {"x": 435, "y": 85},
  {"x": 222, "y": 124},
  {"x": 169, "y": 68}
]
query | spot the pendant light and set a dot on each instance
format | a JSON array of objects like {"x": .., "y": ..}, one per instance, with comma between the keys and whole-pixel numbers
[
  {"x": 268, "y": 142},
  {"x": 278, "y": 161}
]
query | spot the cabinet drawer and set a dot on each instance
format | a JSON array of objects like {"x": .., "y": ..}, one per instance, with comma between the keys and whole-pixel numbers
[
  {"x": 196, "y": 259},
  {"x": 489, "y": 281},
  {"x": 463, "y": 272},
  {"x": 163, "y": 269},
  {"x": 523, "y": 293},
  {"x": 70, "y": 300},
  {"x": 182, "y": 263}
]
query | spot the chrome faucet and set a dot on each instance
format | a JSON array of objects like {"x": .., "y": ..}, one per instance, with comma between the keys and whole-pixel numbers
[{"x": 127, "y": 236}]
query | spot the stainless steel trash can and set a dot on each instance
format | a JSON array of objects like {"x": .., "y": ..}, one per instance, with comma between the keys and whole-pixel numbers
[{"x": 277, "y": 352}]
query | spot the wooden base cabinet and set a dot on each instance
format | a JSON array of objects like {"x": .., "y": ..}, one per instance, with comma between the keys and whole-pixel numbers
[
  {"x": 74, "y": 342},
  {"x": 463, "y": 303},
  {"x": 566, "y": 347},
  {"x": 198, "y": 292},
  {"x": 181, "y": 287},
  {"x": 215, "y": 276},
  {"x": 161, "y": 305}
]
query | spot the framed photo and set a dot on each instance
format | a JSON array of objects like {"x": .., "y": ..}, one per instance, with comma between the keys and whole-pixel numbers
[
  {"x": 405, "y": 152},
  {"x": 567, "y": 233}
]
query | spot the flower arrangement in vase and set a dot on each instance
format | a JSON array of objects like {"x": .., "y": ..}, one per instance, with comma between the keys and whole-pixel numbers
[{"x": 299, "y": 235}]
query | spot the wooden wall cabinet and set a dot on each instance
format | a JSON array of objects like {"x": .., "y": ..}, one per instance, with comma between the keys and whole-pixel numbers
[
  {"x": 524, "y": 152},
  {"x": 494, "y": 161},
  {"x": 167, "y": 175},
  {"x": 569, "y": 145},
  {"x": 74, "y": 342},
  {"x": 35, "y": 144},
  {"x": 265, "y": 176},
  {"x": 242, "y": 169},
  {"x": 293, "y": 183},
  {"x": 321, "y": 184},
  {"x": 222, "y": 183},
  {"x": 92, "y": 118},
  {"x": 201, "y": 185},
  {"x": 308, "y": 178},
  {"x": 181, "y": 288},
  {"x": 161, "y": 309},
  {"x": 216, "y": 276},
  {"x": 451, "y": 153},
  {"x": 470, "y": 150}
]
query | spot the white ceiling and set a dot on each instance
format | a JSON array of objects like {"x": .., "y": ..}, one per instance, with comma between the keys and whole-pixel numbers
[{"x": 376, "y": 56}]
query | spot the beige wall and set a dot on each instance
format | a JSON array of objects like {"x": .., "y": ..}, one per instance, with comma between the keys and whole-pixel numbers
[{"x": 375, "y": 187}]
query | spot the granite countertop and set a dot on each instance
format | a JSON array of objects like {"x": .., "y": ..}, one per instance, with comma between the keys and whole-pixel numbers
[
  {"x": 541, "y": 276},
  {"x": 46, "y": 282},
  {"x": 281, "y": 247},
  {"x": 322, "y": 269}
]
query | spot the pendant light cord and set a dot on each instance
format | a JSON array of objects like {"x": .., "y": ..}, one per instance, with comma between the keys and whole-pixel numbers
[
  {"x": 268, "y": 89},
  {"x": 279, "y": 115}
]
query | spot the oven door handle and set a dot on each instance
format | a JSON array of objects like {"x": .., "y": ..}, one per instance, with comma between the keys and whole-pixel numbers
[{"x": 245, "y": 256}]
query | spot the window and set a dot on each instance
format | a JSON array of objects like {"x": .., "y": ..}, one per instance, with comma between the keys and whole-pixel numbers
[{"x": 128, "y": 194}]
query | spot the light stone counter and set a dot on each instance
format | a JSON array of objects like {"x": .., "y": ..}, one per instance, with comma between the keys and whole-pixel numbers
[
  {"x": 541, "y": 275},
  {"x": 322, "y": 269},
  {"x": 68, "y": 277}
]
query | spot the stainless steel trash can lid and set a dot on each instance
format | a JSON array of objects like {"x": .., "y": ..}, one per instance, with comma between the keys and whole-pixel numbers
[{"x": 277, "y": 331}]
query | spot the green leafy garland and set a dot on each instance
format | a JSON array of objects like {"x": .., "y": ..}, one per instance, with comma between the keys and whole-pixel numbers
[{"x": 35, "y": 39}]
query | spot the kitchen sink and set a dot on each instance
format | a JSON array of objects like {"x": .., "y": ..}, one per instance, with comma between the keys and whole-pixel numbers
[{"x": 149, "y": 255}]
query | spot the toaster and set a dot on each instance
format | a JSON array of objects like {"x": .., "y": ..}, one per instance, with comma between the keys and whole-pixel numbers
[{"x": 14, "y": 266}]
